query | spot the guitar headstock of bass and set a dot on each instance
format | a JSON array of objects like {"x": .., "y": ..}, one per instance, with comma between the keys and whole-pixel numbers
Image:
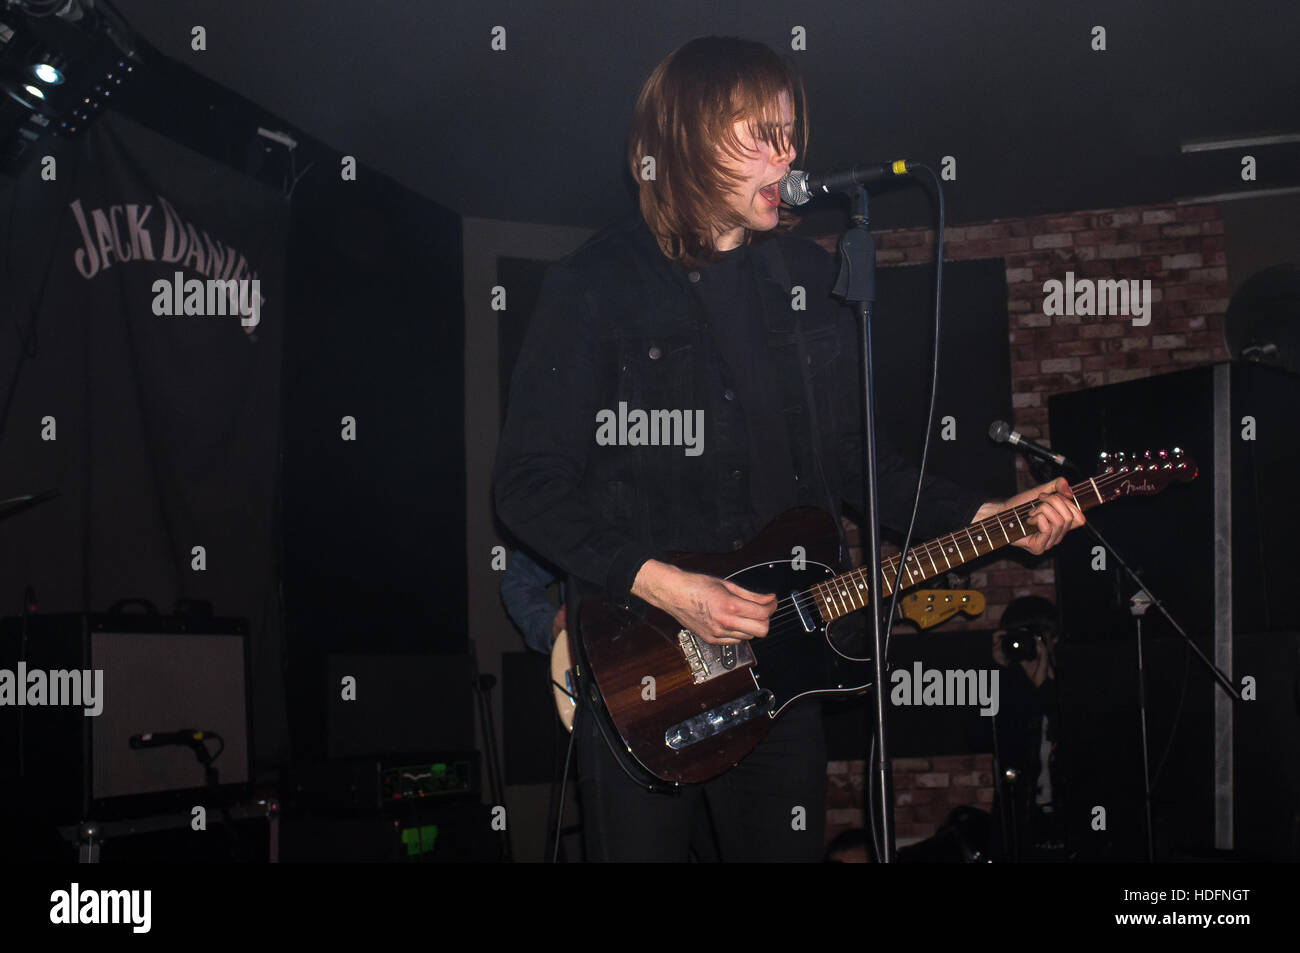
[{"x": 1130, "y": 474}]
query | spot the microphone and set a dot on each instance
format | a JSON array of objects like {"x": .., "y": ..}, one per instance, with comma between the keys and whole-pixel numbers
[
  {"x": 189, "y": 737},
  {"x": 1000, "y": 432},
  {"x": 798, "y": 187}
]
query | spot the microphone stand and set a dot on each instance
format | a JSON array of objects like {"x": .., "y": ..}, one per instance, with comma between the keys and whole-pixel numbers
[
  {"x": 1141, "y": 601},
  {"x": 857, "y": 283},
  {"x": 1138, "y": 606}
]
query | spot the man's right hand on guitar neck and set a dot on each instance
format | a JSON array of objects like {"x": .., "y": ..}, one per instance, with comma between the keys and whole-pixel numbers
[{"x": 718, "y": 611}]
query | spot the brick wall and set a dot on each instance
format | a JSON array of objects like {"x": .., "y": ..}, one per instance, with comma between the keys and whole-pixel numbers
[
  {"x": 925, "y": 791},
  {"x": 1180, "y": 249}
]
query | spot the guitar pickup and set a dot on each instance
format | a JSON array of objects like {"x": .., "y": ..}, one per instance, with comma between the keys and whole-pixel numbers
[
  {"x": 803, "y": 604},
  {"x": 717, "y": 720}
]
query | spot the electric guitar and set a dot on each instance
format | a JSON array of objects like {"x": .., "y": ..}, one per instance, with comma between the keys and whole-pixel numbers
[
  {"x": 686, "y": 710},
  {"x": 924, "y": 608}
]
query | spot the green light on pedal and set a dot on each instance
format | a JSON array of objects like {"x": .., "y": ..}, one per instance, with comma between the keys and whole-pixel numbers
[{"x": 419, "y": 840}]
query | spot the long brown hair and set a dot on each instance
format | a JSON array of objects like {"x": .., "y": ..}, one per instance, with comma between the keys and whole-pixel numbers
[{"x": 685, "y": 112}]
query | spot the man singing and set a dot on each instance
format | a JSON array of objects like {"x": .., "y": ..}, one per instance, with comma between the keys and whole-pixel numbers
[{"x": 688, "y": 306}]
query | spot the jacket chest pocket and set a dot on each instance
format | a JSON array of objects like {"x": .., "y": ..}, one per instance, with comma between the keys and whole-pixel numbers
[
  {"x": 821, "y": 349},
  {"x": 657, "y": 371}
]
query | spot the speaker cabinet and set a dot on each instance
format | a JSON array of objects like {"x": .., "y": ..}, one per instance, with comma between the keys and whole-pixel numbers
[
  {"x": 1218, "y": 552},
  {"x": 147, "y": 674}
]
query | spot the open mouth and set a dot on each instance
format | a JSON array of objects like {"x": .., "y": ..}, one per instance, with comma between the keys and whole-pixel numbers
[{"x": 771, "y": 194}]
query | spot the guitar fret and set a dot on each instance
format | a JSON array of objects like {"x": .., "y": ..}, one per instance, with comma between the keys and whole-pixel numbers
[
  {"x": 861, "y": 579},
  {"x": 944, "y": 552},
  {"x": 975, "y": 548},
  {"x": 852, "y": 590},
  {"x": 840, "y": 607},
  {"x": 843, "y": 595},
  {"x": 1020, "y": 521},
  {"x": 1003, "y": 528},
  {"x": 931, "y": 556},
  {"x": 826, "y": 602}
]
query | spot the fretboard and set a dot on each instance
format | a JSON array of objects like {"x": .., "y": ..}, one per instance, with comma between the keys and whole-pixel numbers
[{"x": 850, "y": 591}]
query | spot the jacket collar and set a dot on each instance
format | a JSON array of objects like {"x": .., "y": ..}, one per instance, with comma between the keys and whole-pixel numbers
[{"x": 766, "y": 252}]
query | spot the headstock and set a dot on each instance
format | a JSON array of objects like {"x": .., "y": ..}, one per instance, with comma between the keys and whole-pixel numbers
[
  {"x": 1121, "y": 474},
  {"x": 929, "y": 607}
]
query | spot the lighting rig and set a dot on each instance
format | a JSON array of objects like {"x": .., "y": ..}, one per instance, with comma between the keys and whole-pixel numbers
[{"x": 62, "y": 62}]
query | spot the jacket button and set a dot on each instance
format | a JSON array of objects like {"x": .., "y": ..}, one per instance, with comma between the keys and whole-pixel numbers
[
  {"x": 736, "y": 474},
  {"x": 729, "y": 394},
  {"x": 654, "y": 353},
  {"x": 694, "y": 276}
]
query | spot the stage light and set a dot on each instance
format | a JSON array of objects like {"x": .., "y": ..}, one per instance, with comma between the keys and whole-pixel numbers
[
  {"x": 34, "y": 90},
  {"x": 48, "y": 73},
  {"x": 19, "y": 99}
]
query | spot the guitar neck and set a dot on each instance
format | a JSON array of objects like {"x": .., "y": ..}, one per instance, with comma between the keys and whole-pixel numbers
[{"x": 849, "y": 592}]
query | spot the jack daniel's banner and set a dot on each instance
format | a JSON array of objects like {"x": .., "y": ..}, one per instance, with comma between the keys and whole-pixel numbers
[{"x": 140, "y": 367}]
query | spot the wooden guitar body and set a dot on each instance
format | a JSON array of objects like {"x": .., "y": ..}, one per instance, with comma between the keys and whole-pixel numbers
[{"x": 689, "y": 710}]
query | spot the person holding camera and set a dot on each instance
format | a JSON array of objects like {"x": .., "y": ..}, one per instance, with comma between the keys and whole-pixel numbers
[{"x": 1026, "y": 795}]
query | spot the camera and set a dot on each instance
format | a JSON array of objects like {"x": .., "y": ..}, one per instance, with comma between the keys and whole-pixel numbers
[{"x": 1020, "y": 643}]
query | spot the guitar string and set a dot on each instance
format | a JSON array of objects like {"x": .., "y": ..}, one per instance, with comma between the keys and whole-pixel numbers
[
  {"x": 810, "y": 598},
  {"x": 845, "y": 597}
]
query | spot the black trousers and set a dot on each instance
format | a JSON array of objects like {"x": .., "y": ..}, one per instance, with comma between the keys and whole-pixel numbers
[{"x": 770, "y": 807}]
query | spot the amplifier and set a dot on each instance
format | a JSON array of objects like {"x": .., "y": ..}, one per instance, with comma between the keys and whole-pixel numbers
[
  {"x": 387, "y": 785},
  {"x": 439, "y": 832},
  {"x": 130, "y": 675}
]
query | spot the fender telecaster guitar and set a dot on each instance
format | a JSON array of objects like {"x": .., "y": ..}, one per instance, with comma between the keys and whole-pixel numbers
[{"x": 686, "y": 710}]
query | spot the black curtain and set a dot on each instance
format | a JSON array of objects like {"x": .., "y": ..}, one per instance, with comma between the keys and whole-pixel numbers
[{"x": 158, "y": 431}]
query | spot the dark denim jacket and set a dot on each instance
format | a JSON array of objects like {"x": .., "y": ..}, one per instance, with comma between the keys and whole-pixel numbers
[{"x": 617, "y": 322}]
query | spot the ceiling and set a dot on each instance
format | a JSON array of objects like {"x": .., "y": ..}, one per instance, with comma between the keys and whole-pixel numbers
[{"x": 1037, "y": 120}]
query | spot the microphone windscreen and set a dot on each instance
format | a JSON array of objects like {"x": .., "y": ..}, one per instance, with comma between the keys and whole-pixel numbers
[
  {"x": 999, "y": 431},
  {"x": 794, "y": 187}
]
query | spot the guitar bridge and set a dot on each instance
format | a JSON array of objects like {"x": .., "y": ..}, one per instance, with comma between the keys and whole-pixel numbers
[{"x": 708, "y": 661}]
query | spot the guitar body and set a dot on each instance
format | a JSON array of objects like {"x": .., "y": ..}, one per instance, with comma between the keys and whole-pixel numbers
[
  {"x": 705, "y": 707},
  {"x": 562, "y": 683}
]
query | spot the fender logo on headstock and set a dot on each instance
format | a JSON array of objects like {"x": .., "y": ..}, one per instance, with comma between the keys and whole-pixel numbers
[{"x": 1129, "y": 487}]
